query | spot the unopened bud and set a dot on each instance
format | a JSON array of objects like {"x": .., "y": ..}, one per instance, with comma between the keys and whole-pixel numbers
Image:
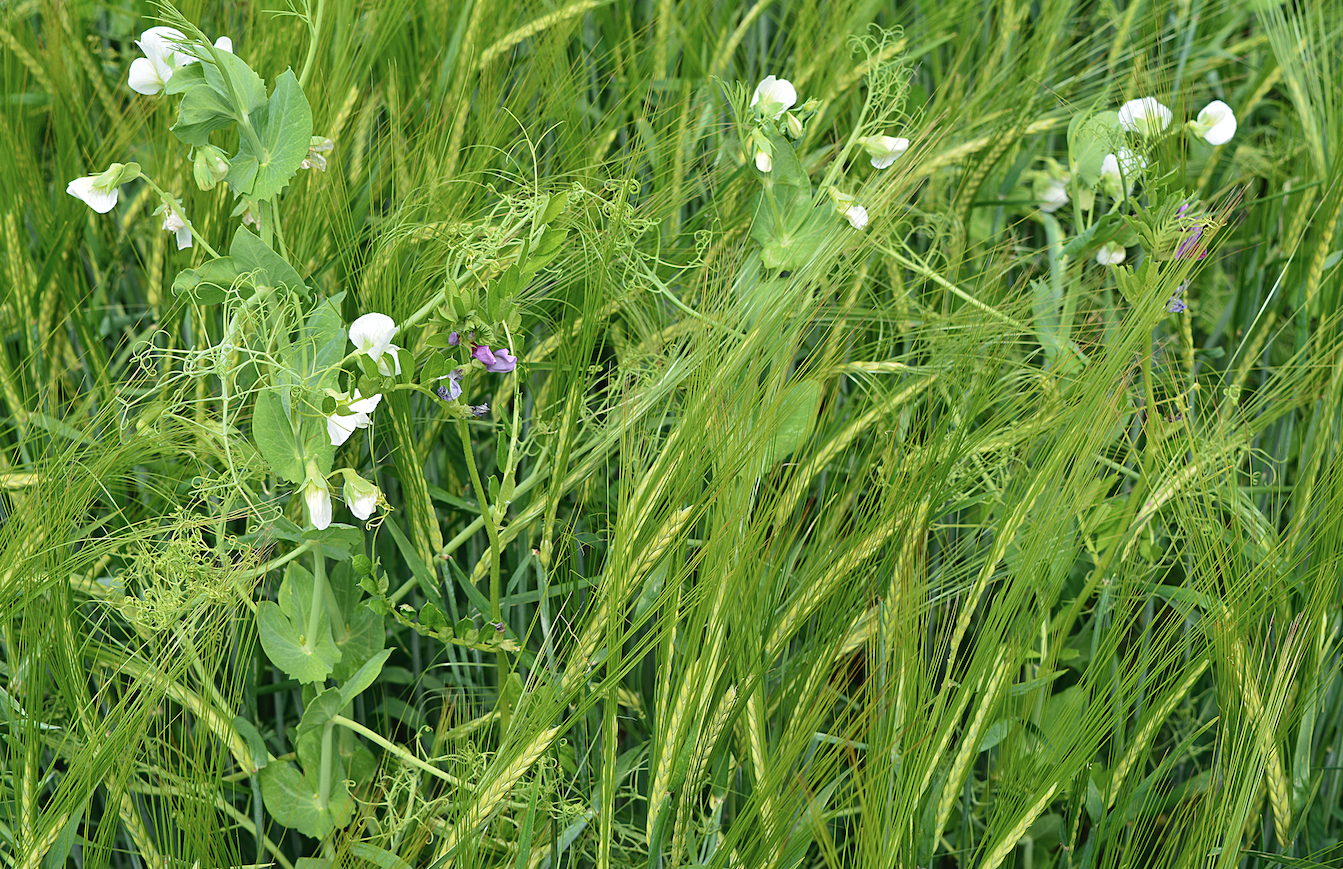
[{"x": 210, "y": 167}]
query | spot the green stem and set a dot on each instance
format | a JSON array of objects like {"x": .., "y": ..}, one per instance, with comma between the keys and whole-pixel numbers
[
  {"x": 401, "y": 754},
  {"x": 191, "y": 226},
  {"x": 318, "y": 601},
  {"x": 314, "y": 30},
  {"x": 492, "y": 529},
  {"x": 324, "y": 776}
]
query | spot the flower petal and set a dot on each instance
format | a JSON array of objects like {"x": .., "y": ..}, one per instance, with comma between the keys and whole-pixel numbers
[
  {"x": 361, "y": 497},
  {"x": 372, "y": 333},
  {"x": 857, "y": 216},
  {"x": 1145, "y": 116},
  {"x": 365, "y": 405},
  {"x": 339, "y": 428},
  {"x": 774, "y": 96},
  {"x": 1220, "y": 122},
  {"x": 383, "y": 368},
  {"x": 100, "y": 200},
  {"x": 144, "y": 77},
  {"x": 318, "y": 498}
]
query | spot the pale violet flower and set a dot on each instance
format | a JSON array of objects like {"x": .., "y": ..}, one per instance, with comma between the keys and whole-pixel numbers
[
  {"x": 773, "y": 97},
  {"x": 1116, "y": 168},
  {"x": 99, "y": 192},
  {"x": 884, "y": 149},
  {"x": 856, "y": 215},
  {"x": 1216, "y": 124},
  {"x": 340, "y": 426},
  {"x": 1175, "y": 304},
  {"x": 175, "y": 222},
  {"x": 150, "y": 74},
  {"x": 1111, "y": 254},
  {"x": 1145, "y": 116},
  {"x": 452, "y": 390},
  {"x": 495, "y": 361},
  {"x": 373, "y": 334},
  {"x": 317, "y": 495},
  {"x": 361, "y": 496}
]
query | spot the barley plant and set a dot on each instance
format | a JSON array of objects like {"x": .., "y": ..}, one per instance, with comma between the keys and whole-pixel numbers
[{"x": 615, "y": 433}]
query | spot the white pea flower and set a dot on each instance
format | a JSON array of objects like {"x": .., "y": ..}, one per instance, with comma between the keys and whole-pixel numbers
[
  {"x": 773, "y": 97},
  {"x": 884, "y": 149},
  {"x": 1053, "y": 195},
  {"x": 373, "y": 334},
  {"x": 175, "y": 222},
  {"x": 361, "y": 496},
  {"x": 764, "y": 151},
  {"x": 100, "y": 197},
  {"x": 150, "y": 74},
  {"x": 1112, "y": 179},
  {"x": 1145, "y": 116},
  {"x": 847, "y": 207},
  {"x": 315, "y": 160},
  {"x": 794, "y": 125},
  {"x": 339, "y": 426},
  {"x": 317, "y": 495},
  {"x": 99, "y": 192},
  {"x": 1111, "y": 254},
  {"x": 1216, "y": 124}
]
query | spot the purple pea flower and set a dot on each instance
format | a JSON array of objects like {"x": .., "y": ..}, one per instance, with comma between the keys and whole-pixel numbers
[
  {"x": 1176, "y": 305},
  {"x": 452, "y": 390},
  {"x": 480, "y": 409},
  {"x": 453, "y": 339},
  {"x": 497, "y": 362},
  {"x": 1190, "y": 243}
]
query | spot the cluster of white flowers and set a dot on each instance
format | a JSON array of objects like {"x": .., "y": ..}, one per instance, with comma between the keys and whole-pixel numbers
[
  {"x": 1148, "y": 117},
  {"x": 361, "y": 496},
  {"x": 772, "y": 100},
  {"x": 163, "y": 56},
  {"x": 149, "y": 75},
  {"x": 372, "y": 336}
]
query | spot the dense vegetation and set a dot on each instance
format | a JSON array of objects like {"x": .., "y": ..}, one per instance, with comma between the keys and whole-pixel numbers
[{"x": 926, "y": 457}]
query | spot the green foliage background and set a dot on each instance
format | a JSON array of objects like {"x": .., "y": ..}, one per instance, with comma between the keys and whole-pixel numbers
[{"x": 850, "y": 564}]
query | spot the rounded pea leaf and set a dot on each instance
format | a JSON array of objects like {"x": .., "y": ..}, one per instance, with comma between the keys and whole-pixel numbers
[
  {"x": 1090, "y": 138},
  {"x": 306, "y": 662},
  {"x": 274, "y": 436},
  {"x": 284, "y": 133}
]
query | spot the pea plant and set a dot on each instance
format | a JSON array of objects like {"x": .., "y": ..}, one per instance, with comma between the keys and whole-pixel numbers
[{"x": 301, "y": 381}]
